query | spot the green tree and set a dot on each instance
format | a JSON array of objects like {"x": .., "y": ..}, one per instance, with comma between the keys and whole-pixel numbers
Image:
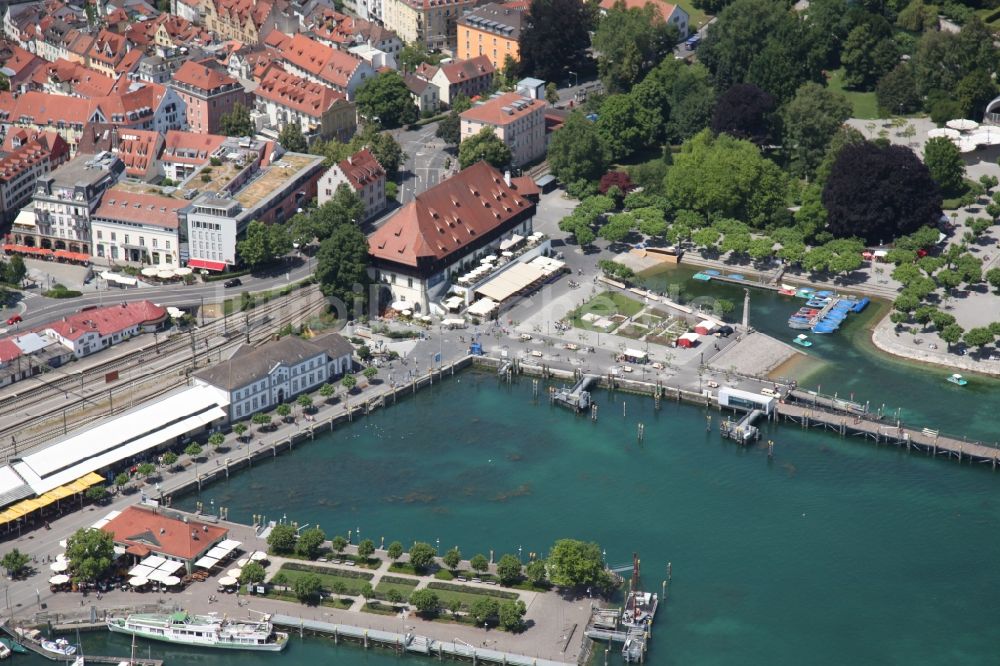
[
  {"x": 576, "y": 151},
  {"x": 193, "y": 450},
  {"x": 384, "y": 98},
  {"x": 237, "y": 122},
  {"x": 304, "y": 401},
  {"x": 394, "y": 596},
  {"x": 993, "y": 277},
  {"x": 96, "y": 494},
  {"x": 338, "y": 543},
  {"x": 896, "y": 92},
  {"x": 284, "y": 410},
  {"x": 479, "y": 563},
  {"x": 240, "y": 429},
  {"x": 282, "y": 539},
  {"x": 121, "y": 480},
  {"x": 535, "y": 572},
  {"x": 216, "y": 439},
  {"x": 978, "y": 337},
  {"x": 146, "y": 469},
  {"x": 551, "y": 93},
  {"x": 974, "y": 92},
  {"x": 15, "y": 270},
  {"x": 508, "y": 569},
  {"x": 917, "y": 17},
  {"x": 367, "y": 591},
  {"x": 370, "y": 372},
  {"x": 5, "y": 82},
  {"x": 310, "y": 543},
  {"x": 422, "y": 555},
  {"x": 510, "y": 616},
  {"x": 366, "y": 549},
  {"x": 327, "y": 391},
  {"x": 342, "y": 265},
  {"x": 811, "y": 119},
  {"x": 760, "y": 249},
  {"x": 262, "y": 243},
  {"x": 252, "y": 573},
  {"x": 349, "y": 382},
  {"x": 617, "y": 125},
  {"x": 573, "y": 563},
  {"x": 452, "y": 558},
  {"x": 618, "y": 227},
  {"x": 292, "y": 139},
  {"x": 15, "y": 562},
  {"x": 307, "y": 588},
  {"x": 90, "y": 553},
  {"x": 951, "y": 334},
  {"x": 944, "y": 161},
  {"x": 629, "y": 42},
  {"x": 449, "y": 129},
  {"x": 942, "y": 319},
  {"x": 262, "y": 419},
  {"x": 484, "y": 146},
  {"x": 483, "y": 610},
  {"x": 412, "y": 55},
  {"x": 554, "y": 38},
  {"x": 869, "y": 53},
  {"x": 426, "y": 602},
  {"x": 720, "y": 175},
  {"x": 394, "y": 551}
]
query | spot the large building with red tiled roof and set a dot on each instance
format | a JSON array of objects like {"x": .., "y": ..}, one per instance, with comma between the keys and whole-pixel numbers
[
  {"x": 464, "y": 77},
  {"x": 363, "y": 174},
  {"x": 248, "y": 21},
  {"x": 64, "y": 77},
  {"x": 320, "y": 111},
  {"x": 308, "y": 58},
  {"x": 106, "y": 51},
  {"x": 444, "y": 230},
  {"x": 142, "y": 532},
  {"x": 671, "y": 13},
  {"x": 20, "y": 169},
  {"x": 517, "y": 120},
  {"x": 208, "y": 94},
  {"x": 18, "y": 65},
  {"x": 138, "y": 149},
  {"x": 138, "y": 229},
  {"x": 186, "y": 152},
  {"x": 91, "y": 331}
]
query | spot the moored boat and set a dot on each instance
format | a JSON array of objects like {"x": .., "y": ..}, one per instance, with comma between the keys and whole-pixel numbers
[
  {"x": 13, "y": 645},
  {"x": 59, "y": 646},
  {"x": 803, "y": 340},
  {"x": 958, "y": 379},
  {"x": 202, "y": 630}
]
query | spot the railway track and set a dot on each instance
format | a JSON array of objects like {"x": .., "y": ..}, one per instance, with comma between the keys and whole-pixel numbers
[{"x": 87, "y": 401}]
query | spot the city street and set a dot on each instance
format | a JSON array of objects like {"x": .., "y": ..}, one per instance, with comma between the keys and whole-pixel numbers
[{"x": 424, "y": 165}]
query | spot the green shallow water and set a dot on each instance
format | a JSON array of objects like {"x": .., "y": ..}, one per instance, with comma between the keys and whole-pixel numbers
[{"x": 836, "y": 552}]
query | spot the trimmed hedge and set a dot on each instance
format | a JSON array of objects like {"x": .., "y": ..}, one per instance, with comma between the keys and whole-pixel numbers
[{"x": 330, "y": 571}]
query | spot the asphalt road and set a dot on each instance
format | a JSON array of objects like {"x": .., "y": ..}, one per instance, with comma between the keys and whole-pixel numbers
[
  {"x": 424, "y": 166},
  {"x": 36, "y": 309}
]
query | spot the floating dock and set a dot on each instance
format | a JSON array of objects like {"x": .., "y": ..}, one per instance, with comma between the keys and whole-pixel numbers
[
  {"x": 632, "y": 626},
  {"x": 578, "y": 397},
  {"x": 408, "y": 642},
  {"x": 743, "y": 431},
  {"x": 28, "y": 640}
]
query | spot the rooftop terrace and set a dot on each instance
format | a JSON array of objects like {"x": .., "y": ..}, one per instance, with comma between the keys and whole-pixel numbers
[{"x": 272, "y": 179}]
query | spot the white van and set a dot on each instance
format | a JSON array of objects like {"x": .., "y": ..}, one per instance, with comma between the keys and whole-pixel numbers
[{"x": 769, "y": 391}]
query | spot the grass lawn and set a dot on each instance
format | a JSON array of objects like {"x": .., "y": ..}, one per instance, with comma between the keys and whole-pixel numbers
[
  {"x": 605, "y": 304},
  {"x": 331, "y": 602},
  {"x": 379, "y": 609},
  {"x": 404, "y": 588},
  {"x": 352, "y": 585},
  {"x": 863, "y": 103},
  {"x": 466, "y": 596}
]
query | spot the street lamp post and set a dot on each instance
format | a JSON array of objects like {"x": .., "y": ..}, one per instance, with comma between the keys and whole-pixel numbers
[{"x": 576, "y": 79}]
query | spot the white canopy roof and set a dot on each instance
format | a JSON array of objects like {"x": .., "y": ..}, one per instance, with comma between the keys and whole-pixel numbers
[
  {"x": 153, "y": 561},
  {"x": 692, "y": 336},
  {"x": 635, "y": 353},
  {"x": 158, "y": 576},
  {"x": 399, "y": 306},
  {"x": 511, "y": 242},
  {"x": 59, "y": 579},
  {"x": 482, "y": 307},
  {"x": 141, "y": 570},
  {"x": 227, "y": 581},
  {"x": 518, "y": 278},
  {"x": 170, "y": 566},
  {"x": 134, "y": 432},
  {"x": 206, "y": 562},
  {"x": 217, "y": 553},
  {"x": 945, "y": 132},
  {"x": 106, "y": 519},
  {"x": 963, "y": 124},
  {"x": 229, "y": 544}
]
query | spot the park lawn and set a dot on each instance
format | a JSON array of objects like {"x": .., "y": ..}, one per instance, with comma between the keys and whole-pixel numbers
[
  {"x": 467, "y": 595},
  {"x": 605, "y": 304},
  {"x": 405, "y": 589},
  {"x": 352, "y": 585},
  {"x": 863, "y": 103},
  {"x": 328, "y": 601}
]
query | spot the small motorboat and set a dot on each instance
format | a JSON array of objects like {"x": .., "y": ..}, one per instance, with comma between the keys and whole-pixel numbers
[
  {"x": 803, "y": 340},
  {"x": 824, "y": 328},
  {"x": 824, "y": 294},
  {"x": 59, "y": 646},
  {"x": 735, "y": 276},
  {"x": 711, "y": 271},
  {"x": 861, "y": 305},
  {"x": 958, "y": 379},
  {"x": 5, "y": 651},
  {"x": 703, "y": 277},
  {"x": 787, "y": 292},
  {"x": 817, "y": 302},
  {"x": 13, "y": 645},
  {"x": 808, "y": 312}
]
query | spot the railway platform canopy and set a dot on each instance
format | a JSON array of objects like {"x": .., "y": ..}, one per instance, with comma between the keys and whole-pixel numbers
[{"x": 83, "y": 455}]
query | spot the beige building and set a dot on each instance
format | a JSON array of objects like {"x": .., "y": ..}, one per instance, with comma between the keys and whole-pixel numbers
[
  {"x": 519, "y": 121},
  {"x": 363, "y": 174},
  {"x": 430, "y": 23}
]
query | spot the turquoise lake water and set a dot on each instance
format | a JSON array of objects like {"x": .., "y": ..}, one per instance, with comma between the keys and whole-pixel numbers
[{"x": 835, "y": 552}]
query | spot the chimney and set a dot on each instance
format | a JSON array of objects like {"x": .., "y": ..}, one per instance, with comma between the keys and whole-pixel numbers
[{"x": 506, "y": 177}]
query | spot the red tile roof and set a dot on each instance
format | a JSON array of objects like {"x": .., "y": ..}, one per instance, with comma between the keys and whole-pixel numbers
[
  {"x": 305, "y": 96},
  {"x": 8, "y": 350},
  {"x": 190, "y": 147},
  {"x": 108, "y": 47},
  {"x": 28, "y": 155},
  {"x": 160, "y": 211},
  {"x": 22, "y": 63},
  {"x": 330, "y": 65},
  {"x": 203, "y": 78},
  {"x": 504, "y": 110},
  {"x": 239, "y": 10},
  {"x": 444, "y": 219},
  {"x": 361, "y": 168},
  {"x": 83, "y": 81},
  {"x": 466, "y": 70},
  {"x": 107, "y": 321},
  {"x": 139, "y": 150},
  {"x": 666, "y": 9},
  {"x": 140, "y": 528},
  {"x": 130, "y": 62}
]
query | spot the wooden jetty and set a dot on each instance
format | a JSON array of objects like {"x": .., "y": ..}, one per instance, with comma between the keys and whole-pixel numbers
[
  {"x": 876, "y": 428},
  {"x": 408, "y": 642},
  {"x": 35, "y": 646}
]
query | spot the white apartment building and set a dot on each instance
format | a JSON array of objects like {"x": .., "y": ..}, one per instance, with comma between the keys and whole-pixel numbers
[{"x": 137, "y": 229}]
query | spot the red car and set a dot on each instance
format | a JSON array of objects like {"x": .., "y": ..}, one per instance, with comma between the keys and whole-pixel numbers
[{"x": 16, "y": 319}]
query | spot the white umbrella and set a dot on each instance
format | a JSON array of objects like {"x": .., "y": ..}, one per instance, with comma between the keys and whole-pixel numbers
[
  {"x": 170, "y": 581},
  {"x": 407, "y": 313},
  {"x": 59, "y": 566},
  {"x": 234, "y": 572},
  {"x": 259, "y": 556},
  {"x": 399, "y": 306},
  {"x": 507, "y": 253},
  {"x": 184, "y": 270},
  {"x": 150, "y": 271},
  {"x": 227, "y": 581},
  {"x": 945, "y": 132},
  {"x": 165, "y": 274},
  {"x": 242, "y": 563},
  {"x": 59, "y": 579},
  {"x": 137, "y": 581},
  {"x": 119, "y": 551},
  {"x": 962, "y": 124},
  {"x": 62, "y": 544}
]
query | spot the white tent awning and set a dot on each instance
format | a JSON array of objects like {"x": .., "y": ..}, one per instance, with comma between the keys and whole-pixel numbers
[
  {"x": 206, "y": 562},
  {"x": 482, "y": 307}
]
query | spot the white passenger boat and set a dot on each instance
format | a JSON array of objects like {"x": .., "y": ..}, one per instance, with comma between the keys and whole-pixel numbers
[{"x": 208, "y": 631}]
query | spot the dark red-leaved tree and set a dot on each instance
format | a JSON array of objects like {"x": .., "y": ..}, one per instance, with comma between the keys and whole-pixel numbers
[
  {"x": 745, "y": 112},
  {"x": 619, "y": 179},
  {"x": 879, "y": 193}
]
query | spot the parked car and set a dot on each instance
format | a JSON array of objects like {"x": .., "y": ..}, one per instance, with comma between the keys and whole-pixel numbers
[
  {"x": 15, "y": 319},
  {"x": 234, "y": 282}
]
